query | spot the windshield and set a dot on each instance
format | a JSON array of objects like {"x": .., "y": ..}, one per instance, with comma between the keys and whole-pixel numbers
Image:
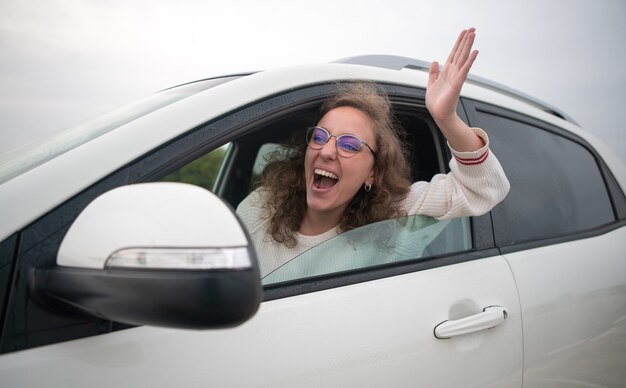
[
  {"x": 383, "y": 242},
  {"x": 31, "y": 155}
]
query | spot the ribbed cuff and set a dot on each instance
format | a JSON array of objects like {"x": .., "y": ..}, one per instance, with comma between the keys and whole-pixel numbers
[{"x": 473, "y": 157}]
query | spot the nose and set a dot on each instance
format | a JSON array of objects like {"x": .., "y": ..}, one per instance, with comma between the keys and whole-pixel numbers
[{"x": 329, "y": 150}]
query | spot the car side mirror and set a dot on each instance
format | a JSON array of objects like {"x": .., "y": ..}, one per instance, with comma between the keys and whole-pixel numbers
[{"x": 163, "y": 254}]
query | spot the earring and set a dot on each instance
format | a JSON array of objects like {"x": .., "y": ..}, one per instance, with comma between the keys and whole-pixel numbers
[{"x": 368, "y": 188}]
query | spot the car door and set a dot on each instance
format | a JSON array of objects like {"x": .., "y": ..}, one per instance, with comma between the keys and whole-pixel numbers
[
  {"x": 369, "y": 325},
  {"x": 355, "y": 329},
  {"x": 562, "y": 231}
]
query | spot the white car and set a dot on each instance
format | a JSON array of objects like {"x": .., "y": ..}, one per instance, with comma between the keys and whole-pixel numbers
[{"x": 111, "y": 275}]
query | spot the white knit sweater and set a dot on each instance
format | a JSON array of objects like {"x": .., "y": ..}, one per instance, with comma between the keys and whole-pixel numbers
[{"x": 475, "y": 184}]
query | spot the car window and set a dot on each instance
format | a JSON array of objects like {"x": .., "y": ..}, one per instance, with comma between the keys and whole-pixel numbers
[
  {"x": 383, "y": 242},
  {"x": 556, "y": 185},
  {"x": 203, "y": 171}
]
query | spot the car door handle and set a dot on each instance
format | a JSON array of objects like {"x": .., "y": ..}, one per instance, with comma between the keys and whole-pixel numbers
[{"x": 491, "y": 317}]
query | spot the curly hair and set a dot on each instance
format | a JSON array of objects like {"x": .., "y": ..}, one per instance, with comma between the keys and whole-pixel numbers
[{"x": 284, "y": 182}]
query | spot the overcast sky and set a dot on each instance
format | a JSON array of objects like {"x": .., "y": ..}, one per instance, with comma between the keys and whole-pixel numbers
[{"x": 65, "y": 61}]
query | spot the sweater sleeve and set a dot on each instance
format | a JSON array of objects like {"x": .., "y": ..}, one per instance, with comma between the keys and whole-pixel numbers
[{"x": 475, "y": 184}]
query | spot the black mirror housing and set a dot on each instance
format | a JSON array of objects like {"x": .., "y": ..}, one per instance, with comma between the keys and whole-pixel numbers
[{"x": 205, "y": 299}]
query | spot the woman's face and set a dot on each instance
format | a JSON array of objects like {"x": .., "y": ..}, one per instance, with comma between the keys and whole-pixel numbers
[{"x": 333, "y": 180}]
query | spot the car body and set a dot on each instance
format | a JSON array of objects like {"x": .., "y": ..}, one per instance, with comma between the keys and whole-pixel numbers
[{"x": 532, "y": 294}]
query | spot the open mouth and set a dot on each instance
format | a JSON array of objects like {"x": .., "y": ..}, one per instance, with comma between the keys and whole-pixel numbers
[{"x": 323, "y": 179}]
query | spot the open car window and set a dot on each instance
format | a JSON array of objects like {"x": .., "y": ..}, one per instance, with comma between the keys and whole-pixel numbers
[
  {"x": 383, "y": 242},
  {"x": 233, "y": 174}
]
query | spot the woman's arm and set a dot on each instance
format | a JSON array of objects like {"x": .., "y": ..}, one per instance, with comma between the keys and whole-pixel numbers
[{"x": 476, "y": 182}]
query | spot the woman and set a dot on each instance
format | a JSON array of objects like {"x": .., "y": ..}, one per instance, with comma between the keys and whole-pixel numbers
[{"x": 353, "y": 171}]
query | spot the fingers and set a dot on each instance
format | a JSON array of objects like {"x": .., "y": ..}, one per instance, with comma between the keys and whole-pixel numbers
[
  {"x": 464, "y": 71},
  {"x": 460, "y": 53},
  {"x": 459, "y": 61},
  {"x": 456, "y": 47},
  {"x": 466, "y": 47}
]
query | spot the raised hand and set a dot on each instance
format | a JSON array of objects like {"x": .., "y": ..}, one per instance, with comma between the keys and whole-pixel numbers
[{"x": 444, "y": 87}]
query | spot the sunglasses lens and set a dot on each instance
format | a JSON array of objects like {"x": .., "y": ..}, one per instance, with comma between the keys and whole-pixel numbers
[{"x": 348, "y": 145}]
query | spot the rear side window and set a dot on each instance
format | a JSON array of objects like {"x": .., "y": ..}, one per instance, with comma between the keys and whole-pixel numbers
[{"x": 556, "y": 185}]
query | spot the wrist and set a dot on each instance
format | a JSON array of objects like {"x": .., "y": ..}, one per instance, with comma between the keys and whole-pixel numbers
[
  {"x": 459, "y": 135},
  {"x": 451, "y": 125}
]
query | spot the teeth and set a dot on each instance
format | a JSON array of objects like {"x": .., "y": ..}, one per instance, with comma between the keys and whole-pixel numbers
[{"x": 325, "y": 173}]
